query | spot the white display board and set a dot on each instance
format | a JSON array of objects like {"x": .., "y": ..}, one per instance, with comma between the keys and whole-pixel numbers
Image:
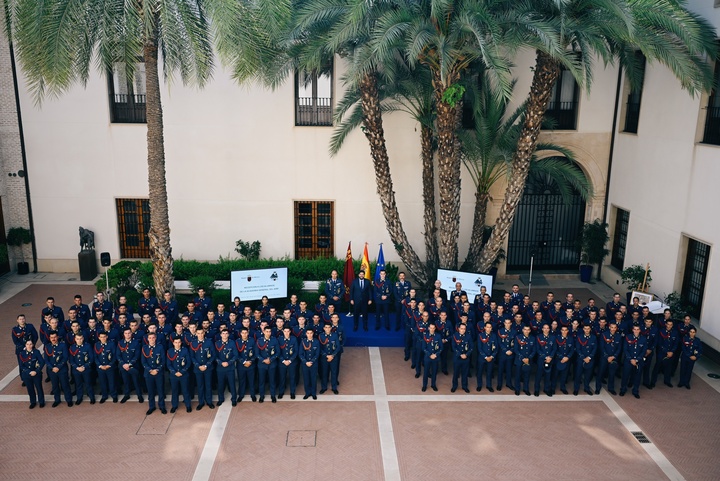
[
  {"x": 471, "y": 282},
  {"x": 251, "y": 285}
]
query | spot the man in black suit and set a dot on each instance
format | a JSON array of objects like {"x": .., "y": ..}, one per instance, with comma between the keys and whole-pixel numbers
[
  {"x": 443, "y": 293},
  {"x": 360, "y": 299}
]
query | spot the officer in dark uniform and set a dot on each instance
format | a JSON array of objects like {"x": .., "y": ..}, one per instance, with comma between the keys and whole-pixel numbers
[
  {"x": 225, "y": 357},
  {"x": 83, "y": 311},
  {"x": 506, "y": 343},
  {"x": 334, "y": 290},
  {"x": 422, "y": 320},
  {"x": 525, "y": 350},
  {"x": 329, "y": 348},
  {"x": 401, "y": 292},
  {"x": 564, "y": 350},
  {"x": 432, "y": 347},
  {"x": 610, "y": 349},
  {"x": 178, "y": 364},
  {"x": 488, "y": 346},
  {"x": 169, "y": 307},
  {"x": 246, "y": 368},
  {"x": 287, "y": 362},
  {"x": 691, "y": 352},
  {"x": 444, "y": 328},
  {"x": 147, "y": 303},
  {"x": 21, "y": 333},
  {"x": 53, "y": 310},
  {"x": 633, "y": 350},
  {"x": 650, "y": 332},
  {"x": 202, "y": 355},
  {"x": 101, "y": 305},
  {"x": 128, "y": 354},
  {"x": 381, "y": 294},
  {"x": 81, "y": 360},
  {"x": 31, "y": 364},
  {"x": 408, "y": 320},
  {"x": 105, "y": 356},
  {"x": 56, "y": 362},
  {"x": 585, "y": 349},
  {"x": 153, "y": 361},
  {"x": 267, "y": 350},
  {"x": 667, "y": 342},
  {"x": 462, "y": 346},
  {"x": 309, "y": 353},
  {"x": 203, "y": 303},
  {"x": 546, "y": 348}
]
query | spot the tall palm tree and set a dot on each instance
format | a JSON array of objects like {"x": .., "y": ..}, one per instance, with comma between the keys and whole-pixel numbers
[
  {"x": 58, "y": 40},
  {"x": 663, "y": 30},
  {"x": 487, "y": 151}
]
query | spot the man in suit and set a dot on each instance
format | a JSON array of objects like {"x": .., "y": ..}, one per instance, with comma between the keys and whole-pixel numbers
[{"x": 360, "y": 300}]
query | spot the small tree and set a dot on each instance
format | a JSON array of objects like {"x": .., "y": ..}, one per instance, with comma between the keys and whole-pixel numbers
[
  {"x": 593, "y": 238},
  {"x": 17, "y": 237}
]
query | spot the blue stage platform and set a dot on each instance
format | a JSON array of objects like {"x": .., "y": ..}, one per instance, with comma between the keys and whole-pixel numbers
[{"x": 380, "y": 338}]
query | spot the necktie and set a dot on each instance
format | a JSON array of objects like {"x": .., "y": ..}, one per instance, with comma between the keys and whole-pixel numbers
[{"x": 361, "y": 284}]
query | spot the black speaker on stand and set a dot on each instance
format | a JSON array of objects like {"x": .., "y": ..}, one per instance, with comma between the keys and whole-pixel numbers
[{"x": 105, "y": 262}]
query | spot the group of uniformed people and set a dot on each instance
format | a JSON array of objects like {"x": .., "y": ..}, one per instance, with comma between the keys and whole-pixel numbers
[
  {"x": 552, "y": 338},
  {"x": 240, "y": 350}
]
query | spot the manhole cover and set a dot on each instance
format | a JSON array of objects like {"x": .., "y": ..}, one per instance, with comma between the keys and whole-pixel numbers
[
  {"x": 27, "y": 304},
  {"x": 640, "y": 436},
  {"x": 301, "y": 439},
  {"x": 714, "y": 376}
]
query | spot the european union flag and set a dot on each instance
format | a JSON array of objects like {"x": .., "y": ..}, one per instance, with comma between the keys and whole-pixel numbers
[{"x": 380, "y": 264}]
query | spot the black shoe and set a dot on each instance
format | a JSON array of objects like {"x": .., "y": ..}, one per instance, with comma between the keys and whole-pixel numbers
[
  {"x": 280, "y": 396},
  {"x": 42, "y": 405},
  {"x": 446, "y": 373},
  {"x": 92, "y": 400},
  {"x": 306, "y": 396},
  {"x": 622, "y": 393},
  {"x": 517, "y": 393},
  {"x": 453, "y": 389},
  {"x": 478, "y": 389},
  {"x": 537, "y": 393},
  {"x": 70, "y": 404},
  {"x": 575, "y": 392},
  {"x": 412, "y": 366},
  {"x": 589, "y": 392},
  {"x": 424, "y": 388},
  {"x": 549, "y": 393},
  {"x": 499, "y": 387},
  {"x": 233, "y": 403},
  {"x": 668, "y": 384},
  {"x": 322, "y": 391},
  {"x": 23, "y": 385},
  {"x": 637, "y": 396},
  {"x": 335, "y": 391},
  {"x": 490, "y": 389},
  {"x": 612, "y": 392},
  {"x": 651, "y": 386},
  {"x": 163, "y": 410},
  {"x": 647, "y": 385},
  {"x": 150, "y": 411},
  {"x": 466, "y": 390},
  {"x": 239, "y": 399},
  {"x": 115, "y": 400},
  {"x": 597, "y": 391},
  {"x": 417, "y": 375},
  {"x": 56, "y": 404},
  {"x": 188, "y": 410},
  {"x": 406, "y": 359},
  {"x": 32, "y": 406},
  {"x": 314, "y": 397},
  {"x": 262, "y": 400},
  {"x": 199, "y": 407},
  {"x": 211, "y": 406},
  {"x": 292, "y": 396},
  {"x": 172, "y": 410},
  {"x": 78, "y": 402},
  {"x": 220, "y": 403},
  {"x": 687, "y": 386},
  {"x": 273, "y": 399},
  {"x": 564, "y": 391},
  {"x": 253, "y": 398},
  {"x": 47, "y": 379},
  {"x": 434, "y": 388},
  {"x": 102, "y": 400},
  {"x": 527, "y": 393},
  {"x": 141, "y": 399}
]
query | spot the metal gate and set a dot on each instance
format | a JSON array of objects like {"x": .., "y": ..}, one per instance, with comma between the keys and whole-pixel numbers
[{"x": 547, "y": 226}]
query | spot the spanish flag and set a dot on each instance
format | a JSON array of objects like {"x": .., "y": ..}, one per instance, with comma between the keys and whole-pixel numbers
[{"x": 365, "y": 263}]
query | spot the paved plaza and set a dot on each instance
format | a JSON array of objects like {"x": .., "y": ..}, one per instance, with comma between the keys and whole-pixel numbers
[{"x": 380, "y": 426}]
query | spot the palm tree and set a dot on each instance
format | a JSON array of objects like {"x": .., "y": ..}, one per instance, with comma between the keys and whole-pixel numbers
[
  {"x": 663, "y": 30},
  {"x": 58, "y": 40}
]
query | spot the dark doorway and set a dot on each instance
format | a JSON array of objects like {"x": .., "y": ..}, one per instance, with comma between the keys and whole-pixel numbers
[
  {"x": 4, "y": 261},
  {"x": 546, "y": 225}
]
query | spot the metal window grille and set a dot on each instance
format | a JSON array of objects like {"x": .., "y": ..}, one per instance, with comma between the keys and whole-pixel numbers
[
  {"x": 314, "y": 229},
  {"x": 563, "y": 107},
  {"x": 313, "y": 98},
  {"x": 133, "y": 225},
  {"x": 127, "y": 97},
  {"x": 622, "y": 223},
  {"x": 712, "y": 117},
  {"x": 696, "y": 266},
  {"x": 632, "y": 109}
]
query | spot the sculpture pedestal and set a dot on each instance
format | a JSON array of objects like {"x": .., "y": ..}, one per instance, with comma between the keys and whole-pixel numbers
[{"x": 88, "y": 265}]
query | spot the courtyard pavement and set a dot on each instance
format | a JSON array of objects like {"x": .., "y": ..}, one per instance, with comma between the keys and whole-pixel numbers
[{"x": 380, "y": 426}]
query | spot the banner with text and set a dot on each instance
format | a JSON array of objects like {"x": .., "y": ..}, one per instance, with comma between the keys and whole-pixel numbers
[
  {"x": 471, "y": 282},
  {"x": 251, "y": 285}
]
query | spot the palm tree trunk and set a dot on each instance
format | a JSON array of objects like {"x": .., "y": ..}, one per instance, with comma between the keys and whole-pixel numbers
[
  {"x": 478, "y": 229},
  {"x": 428, "y": 181},
  {"x": 372, "y": 121},
  {"x": 448, "y": 177},
  {"x": 159, "y": 234},
  {"x": 547, "y": 71}
]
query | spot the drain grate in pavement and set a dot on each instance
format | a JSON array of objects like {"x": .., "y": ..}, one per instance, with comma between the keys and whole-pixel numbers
[
  {"x": 640, "y": 436},
  {"x": 301, "y": 439}
]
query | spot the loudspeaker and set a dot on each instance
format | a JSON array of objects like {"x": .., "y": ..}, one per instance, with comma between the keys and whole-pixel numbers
[{"x": 105, "y": 259}]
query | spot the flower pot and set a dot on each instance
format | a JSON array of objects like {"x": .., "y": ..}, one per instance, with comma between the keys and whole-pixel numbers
[
  {"x": 586, "y": 273},
  {"x": 23, "y": 268}
]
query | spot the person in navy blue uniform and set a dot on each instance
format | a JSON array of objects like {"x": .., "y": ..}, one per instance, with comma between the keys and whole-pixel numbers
[
  {"x": 667, "y": 342},
  {"x": 268, "y": 351},
  {"x": 432, "y": 348},
  {"x": 225, "y": 358},
  {"x": 360, "y": 299},
  {"x": 203, "y": 303},
  {"x": 401, "y": 291},
  {"x": 546, "y": 348},
  {"x": 31, "y": 364},
  {"x": 128, "y": 355},
  {"x": 610, "y": 349},
  {"x": 506, "y": 342},
  {"x": 178, "y": 364},
  {"x": 329, "y": 348},
  {"x": 613, "y": 306},
  {"x": 147, "y": 303},
  {"x": 381, "y": 294},
  {"x": 82, "y": 310},
  {"x": 525, "y": 350},
  {"x": 633, "y": 353},
  {"x": 169, "y": 307},
  {"x": 462, "y": 347},
  {"x": 56, "y": 363},
  {"x": 650, "y": 332},
  {"x": 287, "y": 362},
  {"x": 202, "y": 355},
  {"x": 152, "y": 356},
  {"x": 21, "y": 333},
  {"x": 445, "y": 329},
  {"x": 515, "y": 295},
  {"x": 564, "y": 350},
  {"x": 101, "y": 305},
  {"x": 691, "y": 352},
  {"x": 421, "y": 319},
  {"x": 334, "y": 290},
  {"x": 52, "y": 310},
  {"x": 309, "y": 353},
  {"x": 585, "y": 349},
  {"x": 682, "y": 329},
  {"x": 488, "y": 346},
  {"x": 81, "y": 360},
  {"x": 105, "y": 358},
  {"x": 246, "y": 368},
  {"x": 409, "y": 306}
]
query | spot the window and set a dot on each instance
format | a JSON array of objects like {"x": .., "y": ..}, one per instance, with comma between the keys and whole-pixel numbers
[
  {"x": 313, "y": 99},
  {"x": 712, "y": 119},
  {"x": 133, "y": 225},
  {"x": 632, "y": 109},
  {"x": 696, "y": 266},
  {"x": 127, "y": 98},
  {"x": 562, "y": 108},
  {"x": 314, "y": 229},
  {"x": 622, "y": 222}
]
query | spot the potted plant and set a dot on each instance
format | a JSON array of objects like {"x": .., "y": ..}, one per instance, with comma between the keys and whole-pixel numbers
[
  {"x": 635, "y": 279},
  {"x": 17, "y": 237},
  {"x": 592, "y": 241}
]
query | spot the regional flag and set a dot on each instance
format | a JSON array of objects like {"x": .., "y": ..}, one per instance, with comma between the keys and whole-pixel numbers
[
  {"x": 365, "y": 263},
  {"x": 348, "y": 273},
  {"x": 380, "y": 264}
]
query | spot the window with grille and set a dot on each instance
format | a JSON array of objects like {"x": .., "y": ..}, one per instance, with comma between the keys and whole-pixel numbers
[
  {"x": 133, "y": 225},
  {"x": 696, "y": 266},
  {"x": 712, "y": 117},
  {"x": 127, "y": 96},
  {"x": 314, "y": 229},
  {"x": 632, "y": 109},
  {"x": 622, "y": 222},
  {"x": 313, "y": 98},
  {"x": 563, "y": 107}
]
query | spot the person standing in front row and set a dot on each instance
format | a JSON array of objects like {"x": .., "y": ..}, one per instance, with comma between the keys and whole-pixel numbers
[
  {"x": 153, "y": 361},
  {"x": 462, "y": 346},
  {"x": 360, "y": 299},
  {"x": 691, "y": 351},
  {"x": 309, "y": 355},
  {"x": 432, "y": 347},
  {"x": 178, "y": 364},
  {"x": 31, "y": 364}
]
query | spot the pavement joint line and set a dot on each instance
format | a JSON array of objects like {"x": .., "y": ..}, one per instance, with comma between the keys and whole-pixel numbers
[
  {"x": 391, "y": 465},
  {"x": 651, "y": 448},
  {"x": 205, "y": 464},
  {"x": 5, "y": 382}
]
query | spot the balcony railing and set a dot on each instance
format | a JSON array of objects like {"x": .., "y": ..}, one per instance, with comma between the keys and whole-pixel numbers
[
  {"x": 712, "y": 126},
  {"x": 313, "y": 111},
  {"x": 564, "y": 115},
  {"x": 632, "y": 117},
  {"x": 128, "y": 109}
]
